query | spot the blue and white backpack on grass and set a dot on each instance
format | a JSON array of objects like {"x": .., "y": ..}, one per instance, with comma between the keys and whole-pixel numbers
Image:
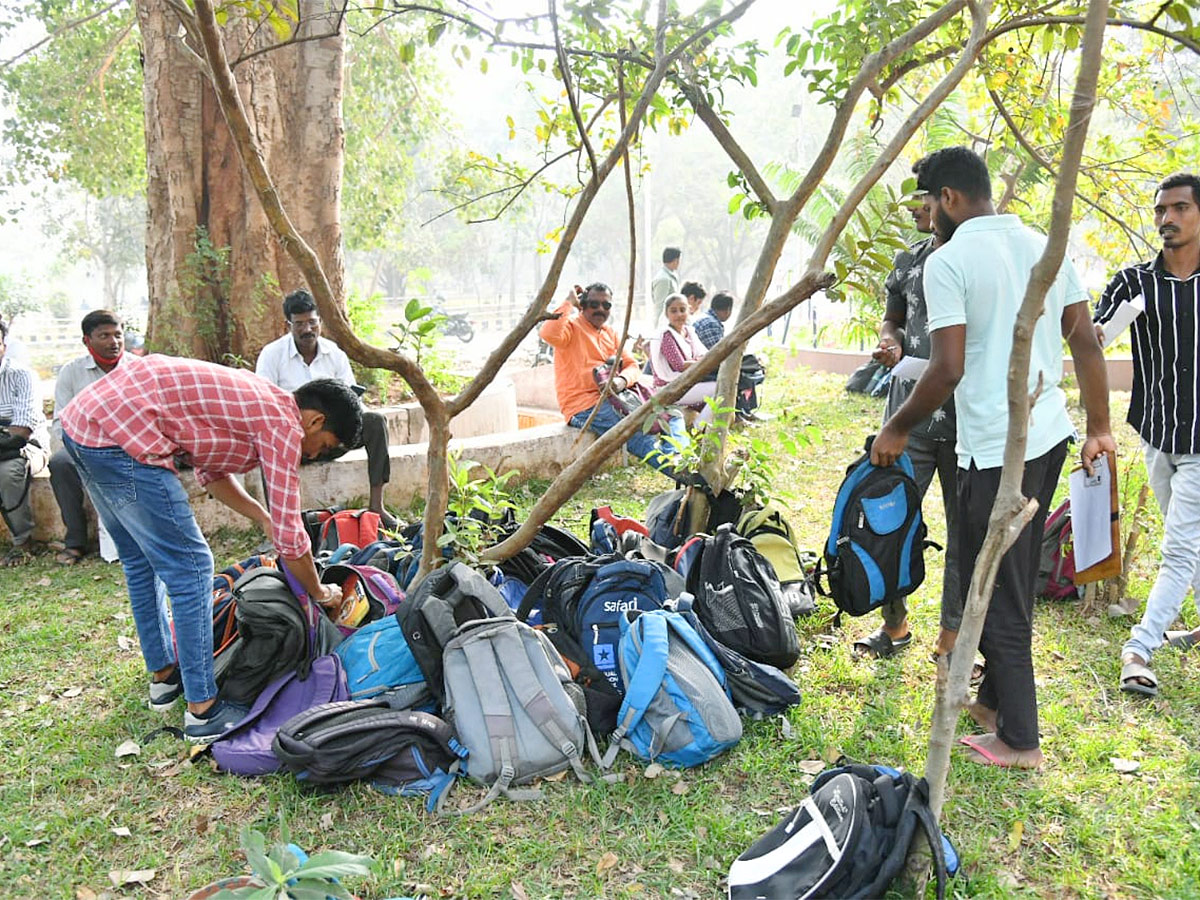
[{"x": 677, "y": 709}]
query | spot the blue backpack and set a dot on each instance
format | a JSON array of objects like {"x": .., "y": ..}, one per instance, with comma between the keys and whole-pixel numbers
[
  {"x": 677, "y": 709},
  {"x": 379, "y": 663},
  {"x": 876, "y": 545},
  {"x": 616, "y": 589}
]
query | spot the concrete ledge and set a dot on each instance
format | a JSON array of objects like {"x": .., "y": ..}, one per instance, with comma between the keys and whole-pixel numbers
[{"x": 539, "y": 452}]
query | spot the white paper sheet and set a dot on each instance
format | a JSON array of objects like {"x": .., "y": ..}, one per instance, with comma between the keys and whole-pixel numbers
[
  {"x": 909, "y": 368},
  {"x": 1091, "y": 514},
  {"x": 1123, "y": 318}
]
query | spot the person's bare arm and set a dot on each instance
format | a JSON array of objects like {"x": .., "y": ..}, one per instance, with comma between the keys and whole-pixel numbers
[
  {"x": 890, "y": 348},
  {"x": 933, "y": 388},
  {"x": 230, "y": 492},
  {"x": 1092, "y": 373},
  {"x": 303, "y": 570}
]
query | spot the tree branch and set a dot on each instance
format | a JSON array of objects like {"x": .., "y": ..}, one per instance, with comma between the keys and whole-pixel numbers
[
  {"x": 59, "y": 31},
  {"x": 737, "y": 155},
  {"x": 1132, "y": 236},
  {"x": 564, "y": 68}
]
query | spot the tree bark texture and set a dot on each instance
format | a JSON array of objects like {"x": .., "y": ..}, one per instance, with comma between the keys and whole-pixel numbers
[{"x": 200, "y": 304}]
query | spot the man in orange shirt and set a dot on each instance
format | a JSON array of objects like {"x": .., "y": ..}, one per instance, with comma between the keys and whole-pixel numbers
[{"x": 582, "y": 340}]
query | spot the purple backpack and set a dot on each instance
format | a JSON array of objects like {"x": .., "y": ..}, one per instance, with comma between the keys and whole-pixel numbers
[
  {"x": 246, "y": 748},
  {"x": 382, "y": 591}
]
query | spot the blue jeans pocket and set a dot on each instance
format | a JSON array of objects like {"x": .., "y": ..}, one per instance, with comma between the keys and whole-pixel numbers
[{"x": 112, "y": 473}]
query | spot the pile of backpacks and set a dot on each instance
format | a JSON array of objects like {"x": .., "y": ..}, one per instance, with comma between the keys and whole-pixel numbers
[{"x": 647, "y": 639}]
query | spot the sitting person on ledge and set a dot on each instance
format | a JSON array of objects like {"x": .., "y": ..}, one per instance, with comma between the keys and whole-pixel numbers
[
  {"x": 678, "y": 350},
  {"x": 302, "y": 355},
  {"x": 582, "y": 341}
]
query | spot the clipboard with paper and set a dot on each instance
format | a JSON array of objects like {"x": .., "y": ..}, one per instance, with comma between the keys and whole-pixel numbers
[{"x": 1095, "y": 521}]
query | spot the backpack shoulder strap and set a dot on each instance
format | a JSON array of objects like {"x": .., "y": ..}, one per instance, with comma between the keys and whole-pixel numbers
[{"x": 647, "y": 677}]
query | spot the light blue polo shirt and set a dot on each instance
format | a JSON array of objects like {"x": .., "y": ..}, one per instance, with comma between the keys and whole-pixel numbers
[{"x": 978, "y": 279}]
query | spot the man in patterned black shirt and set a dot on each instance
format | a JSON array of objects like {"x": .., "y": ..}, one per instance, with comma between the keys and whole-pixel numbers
[
  {"x": 905, "y": 332},
  {"x": 1163, "y": 409}
]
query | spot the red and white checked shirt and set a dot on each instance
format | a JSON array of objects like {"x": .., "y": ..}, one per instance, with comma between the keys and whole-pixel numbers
[{"x": 222, "y": 421}]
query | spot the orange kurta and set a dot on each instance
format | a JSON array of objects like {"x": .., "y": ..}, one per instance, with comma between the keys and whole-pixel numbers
[{"x": 578, "y": 348}]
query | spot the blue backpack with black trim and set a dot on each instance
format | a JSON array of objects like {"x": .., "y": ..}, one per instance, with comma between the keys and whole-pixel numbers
[{"x": 875, "y": 551}]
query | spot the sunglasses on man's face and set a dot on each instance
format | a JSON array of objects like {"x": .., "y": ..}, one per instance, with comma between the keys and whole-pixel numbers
[{"x": 597, "y": 304}]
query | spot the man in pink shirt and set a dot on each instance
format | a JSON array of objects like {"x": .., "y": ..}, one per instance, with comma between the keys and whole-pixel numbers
[{"x": 125, "y": 434}]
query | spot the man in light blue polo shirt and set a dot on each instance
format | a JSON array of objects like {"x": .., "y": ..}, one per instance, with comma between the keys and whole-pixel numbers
[{"x": 974, "y": 287}]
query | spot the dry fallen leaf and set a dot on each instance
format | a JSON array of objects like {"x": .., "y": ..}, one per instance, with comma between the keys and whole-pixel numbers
[
  {"x": 831, "y": 754},
  {"x": 679, "y": 787},
  {"x": 121, "y": 831},
  {"x": 128, "y": 748},
  {"x": 326, "y": 821},
  {"x": 1124, "y": 766},
  {"x": 675, "y": 866},
  {"x": 607, "y": 861},
  {"x": 123, "y": 877},
  {"x": 811, "y": 766},
  {"x": 35, "y": 842},
  {"x": 84, "y": 893},
  {"x": 43, "y": 582},
  {"x": 72, "y": 692},
  {"x": 1015, "y": 834},
  {"x": 124, "y": 642},
  {"x": 202, "y": 824},
  {"x": 518, "y": 891},
  {"x": 653, "y": 770}
]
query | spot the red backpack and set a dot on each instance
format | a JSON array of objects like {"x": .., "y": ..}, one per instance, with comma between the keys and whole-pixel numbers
[
  {"x": 328, "y": 529},
  {"x": 1056, "y": 564}
]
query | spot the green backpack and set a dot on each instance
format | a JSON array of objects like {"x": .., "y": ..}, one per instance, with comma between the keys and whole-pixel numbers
[{"x": 767, "y": 529}]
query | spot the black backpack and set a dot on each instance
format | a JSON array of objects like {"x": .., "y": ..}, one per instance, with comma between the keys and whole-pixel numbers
[
  {"x": 849, "y": 839},
  {"x": 756, "y": 689},
  {"x": 875, "y": 551},
  {"x": 276, "y": 634},
  {"x": 444, "y": 600},
  {"x": 737, "y": 598},
  {"x": 400, "y": 751}
]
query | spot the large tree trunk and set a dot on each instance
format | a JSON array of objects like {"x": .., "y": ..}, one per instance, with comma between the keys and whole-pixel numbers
[{"x": 199, "y": 305}]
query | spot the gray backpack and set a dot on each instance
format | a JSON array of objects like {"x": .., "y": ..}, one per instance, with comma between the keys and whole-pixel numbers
[{"x": 513, "y": 705}]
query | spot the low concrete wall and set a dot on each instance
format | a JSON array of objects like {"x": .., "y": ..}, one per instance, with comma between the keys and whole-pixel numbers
[
  {"x": 539, "y": 452},
  {"x": 843, "y": 362}
]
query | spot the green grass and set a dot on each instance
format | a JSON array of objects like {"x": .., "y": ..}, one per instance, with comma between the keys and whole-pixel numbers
[{"x": 1076, "y": 829}]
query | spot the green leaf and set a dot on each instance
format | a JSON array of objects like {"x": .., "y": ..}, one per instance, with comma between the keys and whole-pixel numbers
[{"x": 435, "y": 32}]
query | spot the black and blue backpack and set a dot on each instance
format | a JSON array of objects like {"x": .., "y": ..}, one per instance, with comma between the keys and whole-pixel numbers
[
  {"x": 848, "y": 839},
  {"x": 875, "y": 551}
]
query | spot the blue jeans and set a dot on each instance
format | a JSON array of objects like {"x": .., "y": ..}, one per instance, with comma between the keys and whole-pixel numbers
[
  {"x": 1175, "y": 479},
  {"x": 146, "y": 511},
  {"x": 654, "y": 450}
]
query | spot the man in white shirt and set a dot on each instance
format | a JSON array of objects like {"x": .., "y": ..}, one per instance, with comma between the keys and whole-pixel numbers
[
  {"x": 974, "y": 286},
  {"x": 302, "y": 355},
  {"x": 104, "y": 338}
]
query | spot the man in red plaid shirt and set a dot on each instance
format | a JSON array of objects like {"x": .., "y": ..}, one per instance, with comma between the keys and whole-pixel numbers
[{"x": 126, "y": 433}]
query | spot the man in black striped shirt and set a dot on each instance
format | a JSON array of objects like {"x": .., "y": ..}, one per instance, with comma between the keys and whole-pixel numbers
[{"x": 1165, "y": 410}]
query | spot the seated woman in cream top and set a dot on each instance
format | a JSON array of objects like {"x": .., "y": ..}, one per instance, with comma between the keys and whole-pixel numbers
[{"x": 676, "y": 349}]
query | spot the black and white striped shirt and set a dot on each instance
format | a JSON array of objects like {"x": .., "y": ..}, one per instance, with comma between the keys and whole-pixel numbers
[{"x": 1166, "y": 353}]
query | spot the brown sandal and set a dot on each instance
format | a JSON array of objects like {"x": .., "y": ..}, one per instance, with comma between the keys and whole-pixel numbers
[
  {"x": 17, "y": 555},
  {"x": 68, "y": 556}
]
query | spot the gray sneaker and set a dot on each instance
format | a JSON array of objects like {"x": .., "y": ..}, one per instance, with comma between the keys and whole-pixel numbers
[
  {"x": 206, "y": 728},
  {"x": 163, "y": 694}
]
